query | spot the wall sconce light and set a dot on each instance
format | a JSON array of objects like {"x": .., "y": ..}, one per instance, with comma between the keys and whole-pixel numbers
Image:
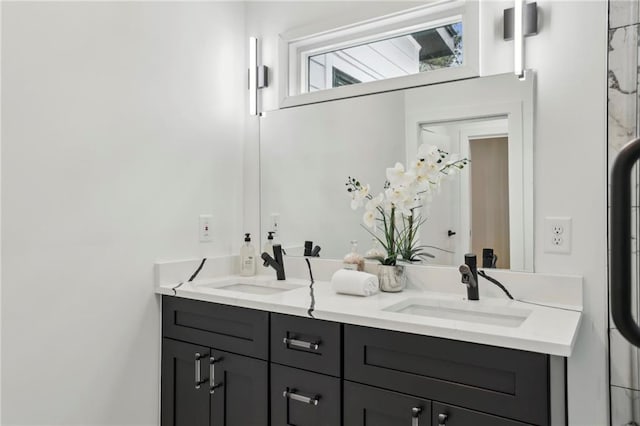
[
  {"x": 520, "y": 21},
  {"x": 258, "y": 76}
]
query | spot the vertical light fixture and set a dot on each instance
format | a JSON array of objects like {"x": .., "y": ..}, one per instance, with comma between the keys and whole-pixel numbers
[
  {"x": 518, "y": 39},
  {"x": 253, "y": 76},
  {"x": 519, "y": 22}
]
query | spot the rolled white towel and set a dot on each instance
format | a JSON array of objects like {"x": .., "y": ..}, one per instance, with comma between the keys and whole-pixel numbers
[{"x": 354, "y": 282}]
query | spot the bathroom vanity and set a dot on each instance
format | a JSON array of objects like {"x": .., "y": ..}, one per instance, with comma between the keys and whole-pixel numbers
[{"x": 236, "y": 360}]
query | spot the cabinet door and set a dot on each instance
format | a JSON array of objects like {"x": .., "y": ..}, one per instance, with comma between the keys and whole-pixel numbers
[
  {"x": 240, "y": 392},
  {"x": 369, "y": 406},
  {"x": 448, "y": 415},
  {"x": 185, "y": 390}
]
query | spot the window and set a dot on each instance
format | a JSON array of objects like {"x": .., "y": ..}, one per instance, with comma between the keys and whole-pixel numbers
[
  {"x": 420, "y": 51},
  {"x": 429, "y": 44}
]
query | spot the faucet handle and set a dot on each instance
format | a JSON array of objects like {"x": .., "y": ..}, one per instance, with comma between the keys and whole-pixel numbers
[
  {"x": 308, "y": 247},
  {"x": 465, "y": 271}
]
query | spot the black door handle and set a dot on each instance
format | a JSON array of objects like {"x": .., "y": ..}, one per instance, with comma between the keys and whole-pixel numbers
[{"x": 620, "y": 243}]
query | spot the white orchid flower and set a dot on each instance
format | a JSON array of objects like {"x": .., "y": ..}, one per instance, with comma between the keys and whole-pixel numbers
[
  {"x": 369, "y": 219},
  {"x": 397, "y": 175},
  {"x": 398, "y": 195},
  {"x": 419, "y": 168},
  {"x": 423, "y": 183},
  {"x": 359, "y": 196},
  {"x": 428, "y": 152},
  {"x": 431, "y": 170},
  {"x": 374, "y": 203}
]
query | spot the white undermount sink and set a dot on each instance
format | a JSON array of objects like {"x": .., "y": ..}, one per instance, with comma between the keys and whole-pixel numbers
[
  {"x": 252, "y": 286},
  {"x": 469, "y": 311}
]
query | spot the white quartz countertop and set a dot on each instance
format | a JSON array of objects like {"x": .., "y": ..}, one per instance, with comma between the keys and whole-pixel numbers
[{"x": 546, "y": 329}]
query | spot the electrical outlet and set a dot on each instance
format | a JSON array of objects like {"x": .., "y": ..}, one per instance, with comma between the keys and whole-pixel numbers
[
  {"x": 557, "y": 235},
  {"x": 275, "y": 223},
  {"x": 204, "y": 224}
]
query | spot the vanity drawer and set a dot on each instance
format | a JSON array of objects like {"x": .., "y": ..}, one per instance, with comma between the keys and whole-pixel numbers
[
  {"x": 302, "y": 398},
  {"x": 306, "y": 343},
  {"x": 506, "y": 382},
  {"x": 228, "y": 328},
  {"x": 368, "y": 406}
]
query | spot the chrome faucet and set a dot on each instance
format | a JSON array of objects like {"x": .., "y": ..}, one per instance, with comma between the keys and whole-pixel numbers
[
  {"x": 277, "y": 263},
  {"x": 469, "y": 274}
]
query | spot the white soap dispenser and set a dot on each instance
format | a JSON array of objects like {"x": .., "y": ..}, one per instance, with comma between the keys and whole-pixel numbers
[{"x": 247, "y": 258}]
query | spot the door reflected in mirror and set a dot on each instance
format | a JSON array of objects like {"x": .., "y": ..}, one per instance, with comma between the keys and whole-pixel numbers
[{"x": 452, "y": 229}]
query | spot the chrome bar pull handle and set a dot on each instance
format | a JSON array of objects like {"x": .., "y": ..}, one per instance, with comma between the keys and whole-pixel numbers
[
  {"x": 290, "y": 394},
  {"x": 442, "y": 419},
  {"x": 415, "y": 412},
  {"x": 198, "y": 380},
  {"x": 212, "y": 375},
  {"x": 301, "y": 344}
]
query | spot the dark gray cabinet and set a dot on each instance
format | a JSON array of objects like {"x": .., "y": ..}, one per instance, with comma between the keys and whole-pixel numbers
[
  {"x": 448, "y": 415},
  {"x": 228, "y": 328},
  {"x": 242, "y": 384},
  {"x": 205, "y": 387},
  {"x": 306, "y": 367},
  {"x": 303, "y": 398},
  {"x": 183, "y": 403},
  {"x": 369, "y": 406},
  {"x": 231, "y": 366},
  {"x": 307, "y": 343},
  {"x": 505, "y": 382},
  {"x": 212, "y": 374}
]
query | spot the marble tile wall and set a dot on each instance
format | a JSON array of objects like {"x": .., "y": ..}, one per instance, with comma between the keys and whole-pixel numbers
[
  {"x": 622, "y": 86},
  {"x": 622, "y": 120},
  {"x": 623, "y": 12}
]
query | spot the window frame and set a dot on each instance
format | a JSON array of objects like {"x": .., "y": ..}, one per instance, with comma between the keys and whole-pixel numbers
[{"x": 297, "y": 46}]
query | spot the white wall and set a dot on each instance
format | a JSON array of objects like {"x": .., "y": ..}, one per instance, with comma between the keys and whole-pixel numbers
[
  {"x": 570, "y": 170},
  {"x": 569, "y": 56},
  {"x": 121, "y": 123}
]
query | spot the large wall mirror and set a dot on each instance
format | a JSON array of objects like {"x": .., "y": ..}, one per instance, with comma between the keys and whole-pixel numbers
[{"x": 308, "y": 152}]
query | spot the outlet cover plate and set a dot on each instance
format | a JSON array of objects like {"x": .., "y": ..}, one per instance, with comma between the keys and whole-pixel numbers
[
  {"x": 557, "y": 235},
  {"x": 204, "y": 225}
]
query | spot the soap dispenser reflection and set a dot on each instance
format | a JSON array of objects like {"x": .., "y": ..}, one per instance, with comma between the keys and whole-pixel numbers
[
  {"x": 247, "y": 258},
  {"x": 354, "y": 260}
]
